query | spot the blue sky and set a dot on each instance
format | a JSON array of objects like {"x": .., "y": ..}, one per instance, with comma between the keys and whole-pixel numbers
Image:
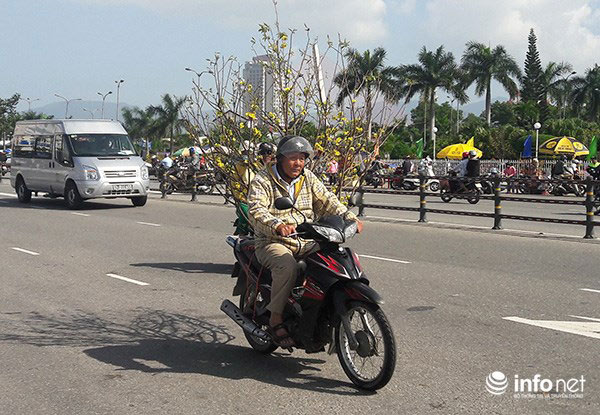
[{"x": 79, "y": 47}]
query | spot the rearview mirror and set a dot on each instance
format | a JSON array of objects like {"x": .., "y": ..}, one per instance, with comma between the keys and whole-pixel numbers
[{"x": 283, "y": 203}]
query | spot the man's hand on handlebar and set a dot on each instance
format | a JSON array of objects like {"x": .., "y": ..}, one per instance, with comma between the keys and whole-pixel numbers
[
  {"x": 359, "y": 226},
  {"x": 285, "y": 230}
]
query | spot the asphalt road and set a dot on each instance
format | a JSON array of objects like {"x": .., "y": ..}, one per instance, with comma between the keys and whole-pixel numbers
[{"x": 75, "y": 340}]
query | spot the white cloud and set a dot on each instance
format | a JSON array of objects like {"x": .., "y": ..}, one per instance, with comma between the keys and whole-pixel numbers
[
  {"x": 565, "y": 29},
  {"x": 360, "y": 21}
]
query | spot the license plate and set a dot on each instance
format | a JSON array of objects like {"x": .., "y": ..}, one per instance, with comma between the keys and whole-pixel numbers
[{"x": 120, "y": 187}]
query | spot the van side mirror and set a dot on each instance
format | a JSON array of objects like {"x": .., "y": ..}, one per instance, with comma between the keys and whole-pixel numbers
[{"x": 283, "y": 203}]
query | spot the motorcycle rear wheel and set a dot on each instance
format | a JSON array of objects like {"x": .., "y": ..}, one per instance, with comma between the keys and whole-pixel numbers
[
  {"x": 446, "y": 197},
  {"x": 257, "y": 344},
  {"x": 473, "y": 199},
  {"x": 372, "y": 365}
]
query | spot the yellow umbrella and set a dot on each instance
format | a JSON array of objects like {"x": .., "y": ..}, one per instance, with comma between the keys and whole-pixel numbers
[
  {"x": 455, "y": 151},
  {"x": 564, "y": 145}
]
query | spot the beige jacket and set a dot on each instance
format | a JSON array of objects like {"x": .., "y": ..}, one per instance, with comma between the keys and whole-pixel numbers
[{"x": 312, "y": 199}]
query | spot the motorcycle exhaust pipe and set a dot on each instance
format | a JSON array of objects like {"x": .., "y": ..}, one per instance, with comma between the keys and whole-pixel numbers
[{"x": 244, "y": 322}]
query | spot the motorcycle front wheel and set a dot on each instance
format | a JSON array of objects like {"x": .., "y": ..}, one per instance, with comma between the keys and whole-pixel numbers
[
  {"x": 372, "y": 364},
  {"x": 434, "y": 186}
]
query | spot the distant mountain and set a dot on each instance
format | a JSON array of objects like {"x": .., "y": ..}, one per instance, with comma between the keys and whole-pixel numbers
[{"x": 76, "y": 109}]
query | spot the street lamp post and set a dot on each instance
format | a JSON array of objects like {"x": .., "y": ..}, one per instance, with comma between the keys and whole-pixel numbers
[
  {"x": 537, "y": 127},
  {"x": 29, "y": 101},
  {"x": 119, "y": 82},
  {"x": 87, "y": 110},
  {"x": 67, "y": 101},
  {"x": 198, "y": 74},
  {"x": 434, "y": 130},
  {"x": 103, "y": 99}
]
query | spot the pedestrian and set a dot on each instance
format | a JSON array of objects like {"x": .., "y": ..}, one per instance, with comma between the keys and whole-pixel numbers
[
  {"x": 407, "y": 166},
  {"x": 510, "y": 172},
  {"x": 332, "y": 171}
]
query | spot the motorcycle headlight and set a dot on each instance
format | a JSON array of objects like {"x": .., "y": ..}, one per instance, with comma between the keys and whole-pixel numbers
[
  {"x": 331, "y": 234},
  {"x": 144, "y": 172},
  {"x": 90, "y": 173},
  {"x": 350, "y": 230}
]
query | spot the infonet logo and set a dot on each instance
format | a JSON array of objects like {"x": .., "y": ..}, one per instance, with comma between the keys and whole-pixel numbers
[{"x": 496, "y": 383}]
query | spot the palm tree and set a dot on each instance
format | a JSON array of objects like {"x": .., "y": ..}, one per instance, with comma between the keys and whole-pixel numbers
[
  {"x": 586, "y": 92},
  {"x": 138, "y": 123},
  {"x": 436, "y": 69},
  {"x": 553, "y": 85},
  {"x": 168, "y": 119},
  {"x": 481, "y": 64},
  {"x": 367, "y": 75}
]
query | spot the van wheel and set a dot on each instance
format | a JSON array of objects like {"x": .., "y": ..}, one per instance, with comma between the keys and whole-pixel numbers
[
  {"x": 139, "y": 200},
  {"x": 72, "y": 196},
  {"x": 23, "y": 193}
]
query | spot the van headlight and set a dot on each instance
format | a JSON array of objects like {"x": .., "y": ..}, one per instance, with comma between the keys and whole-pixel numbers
[
  {"x": 90, "y": 173},
  {"x": 144, "y": 172}
]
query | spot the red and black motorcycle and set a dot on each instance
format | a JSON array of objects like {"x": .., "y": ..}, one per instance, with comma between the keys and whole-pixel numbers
[{"x": 332, "y": 303}]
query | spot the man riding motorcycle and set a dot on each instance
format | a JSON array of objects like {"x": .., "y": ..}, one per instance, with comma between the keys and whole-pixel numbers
[{"x": 277, "y": 246}]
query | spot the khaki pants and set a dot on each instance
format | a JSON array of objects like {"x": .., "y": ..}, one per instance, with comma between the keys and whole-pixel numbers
[{"x": 282, "y": 263}]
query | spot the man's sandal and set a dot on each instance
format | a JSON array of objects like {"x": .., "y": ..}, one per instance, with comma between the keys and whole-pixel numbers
[{"x": 279, "y": 339}]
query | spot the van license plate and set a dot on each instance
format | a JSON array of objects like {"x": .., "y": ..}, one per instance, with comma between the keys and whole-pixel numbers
[{"x": 120, "y": 187}]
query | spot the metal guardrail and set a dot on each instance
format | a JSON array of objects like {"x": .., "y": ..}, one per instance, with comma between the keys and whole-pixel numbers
[{"x": 589, "y": 204}]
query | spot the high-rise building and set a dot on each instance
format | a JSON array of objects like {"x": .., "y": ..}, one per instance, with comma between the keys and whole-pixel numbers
[{"x": 264, "y": 90}]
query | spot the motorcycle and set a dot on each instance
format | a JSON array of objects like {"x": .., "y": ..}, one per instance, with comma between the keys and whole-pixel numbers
[
  {"x": 413, "y": 183},
  {"x": 332, "y": 303},
  {"x": 564, "y": 188},
  {"x": 453, "y": 188},
  {"x": 373, "y": 178},
  {"x": 180, "y": 179}
]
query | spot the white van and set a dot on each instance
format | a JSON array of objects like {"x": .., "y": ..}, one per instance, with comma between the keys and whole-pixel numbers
[{"x": 77, "y": 159}]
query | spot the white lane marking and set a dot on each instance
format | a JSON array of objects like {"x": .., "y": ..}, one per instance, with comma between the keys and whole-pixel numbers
[
  {"x": 149, "y": 224},
  {"x": 25, "y": 251},
  {"x": 119, "y": 277},
  {"x": 385, "y": 259},
  {"x": 8, "y": 194},
  {"x": 587, "y": 318},
  {"x": 4, "y": 201},
  {"x": 589, "y": 290},
  {"x": 79, "y": 214},
  {"x": 587, "y": 329}
]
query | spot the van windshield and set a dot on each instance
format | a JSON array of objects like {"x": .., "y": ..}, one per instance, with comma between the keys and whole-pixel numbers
[{"x": 101, "y": 145}]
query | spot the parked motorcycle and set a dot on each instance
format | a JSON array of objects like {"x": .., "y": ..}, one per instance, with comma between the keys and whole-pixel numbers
[
  {"x": 564, "y": 188},
  {"x": 332, "y": 303},
  {"x": 413, "y": 183}
]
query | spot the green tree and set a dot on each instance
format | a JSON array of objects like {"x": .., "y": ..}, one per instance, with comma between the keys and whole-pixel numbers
[
  {"x": 481, "y": 64},
  {"x": 531, "y": 89},
  {"x": 436, "y": 69},
  {"x": 367, "y": 75},
  {"x": 32, "y": 115},
  {"x": 586, "y": 94},
  {"x": 8, "y": 115},
  {"x": 168, "y": 121}
]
